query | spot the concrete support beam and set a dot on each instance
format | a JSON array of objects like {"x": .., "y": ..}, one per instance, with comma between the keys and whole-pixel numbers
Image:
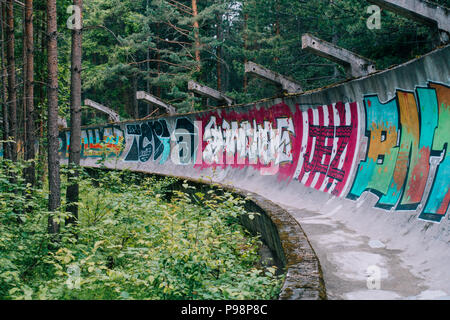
[
  {"x": 113, "y": 116},
  {"x": 209, "y": 92},
  {"x": 355, "y": 65},
  {"x": 421, "y": 11},
  {"x": 149, "y": 98},
  {"x": 286, "y": 84}
]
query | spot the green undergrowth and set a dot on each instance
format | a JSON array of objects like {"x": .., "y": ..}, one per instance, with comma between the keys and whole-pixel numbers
[{"x": 131, "y": 242}]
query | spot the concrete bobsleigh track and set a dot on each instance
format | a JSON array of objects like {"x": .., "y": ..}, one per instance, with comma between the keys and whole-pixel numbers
[{"x": 363, "y": 166}]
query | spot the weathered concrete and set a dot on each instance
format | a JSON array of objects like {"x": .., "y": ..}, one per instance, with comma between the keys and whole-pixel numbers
[
  {"x": 209, "y": 92},
  {"x": 362, "y": 165},
  {"x": 355, "y": 65},
  {"x": 420, "y": 11},
  {"x": 149, "y": 98},
  {"x": 112, "y": 115},
  {"x": 304, "y": 279},
  {"x": 286, "y": 84}
]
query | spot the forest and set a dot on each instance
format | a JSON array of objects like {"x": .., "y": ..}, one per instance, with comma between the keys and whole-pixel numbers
[{"x": 57, "y": 53}]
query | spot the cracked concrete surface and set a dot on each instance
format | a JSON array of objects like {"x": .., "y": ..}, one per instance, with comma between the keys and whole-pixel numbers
[
  {"x": 346, "y": 256},
  {"x": 412, "y": 256}
]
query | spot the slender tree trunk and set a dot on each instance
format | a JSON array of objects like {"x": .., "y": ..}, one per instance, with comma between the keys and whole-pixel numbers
[
  {"x": 196, "y": 35},
  {"x": 277, "y": 25},
  {"x": 4, "y": 93},
  {"x": 158, "y": 89},
  {"x": 158, "y": 67},
  {"x": 245, "y": 49},
  {"x": 41, "y": 65},
  {"x": 219, "y": 52},
  {"x": 75, "y": 118},
  {"x": 12, "y": 90},
  {"x": 148, "y": 107},
  {"x": 135, "y": 101},
  {"x": 22, "y": 116},
  {"x": 54, "y": 201},
  {"x": 29, "y": 92}
]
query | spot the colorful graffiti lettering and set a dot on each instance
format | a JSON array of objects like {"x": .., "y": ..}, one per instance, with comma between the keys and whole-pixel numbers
[
  {"x": 186, "y": 138},
  {"x": 330, "y": 136},
  {"x": 406, "y": 164},
  {"x": 149, "y": 138},
  {"x": 95, "y": 142},
  {"x": 439, "y": 198},
  {"x": 152, "y": 138},
  {"x": 405, "y": 134},
  {"x": 263, "y": 139}
]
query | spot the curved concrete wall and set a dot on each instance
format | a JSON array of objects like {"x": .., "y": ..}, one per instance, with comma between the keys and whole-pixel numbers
[{"x": 373, "y": 151}]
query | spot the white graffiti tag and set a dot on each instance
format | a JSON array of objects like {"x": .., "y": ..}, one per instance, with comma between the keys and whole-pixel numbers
[{"x": 236, "y": 143}]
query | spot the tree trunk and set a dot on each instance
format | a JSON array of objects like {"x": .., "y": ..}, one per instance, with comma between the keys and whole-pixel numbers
[
  {"x": 196, "y": 35},
  {"x": 29, "y": 93},
  {"x": 245, "y": 49},
  {"x": 277, "y": 26},
  {"x": 22, "y": 115},
  {"x": 158, "y": 89},
  {"x": 12, "y": 91},
  {"x": 148, "y": 107},
  {"x": 219, "y": 52},
  {"x": 41, "y": 73},
  {"x": 135, "y": 101},
  {"x": 54, "y": 182},
  {"x": 75, "y": 119},
  {"x": 158, "y": 67},
  {"x": 4, "y": 93}
]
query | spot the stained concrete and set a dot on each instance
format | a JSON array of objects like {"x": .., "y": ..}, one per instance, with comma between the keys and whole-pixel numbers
[
  {"x": 354, "y": 64},
  {"x": 413, "y": 256},
  {"x": 346, "y": 254}
]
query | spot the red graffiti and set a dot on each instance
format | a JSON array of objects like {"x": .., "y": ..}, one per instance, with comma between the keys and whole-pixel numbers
[
  {"x": 265, "y": 139},
  {"x": 329, "y": 150}
]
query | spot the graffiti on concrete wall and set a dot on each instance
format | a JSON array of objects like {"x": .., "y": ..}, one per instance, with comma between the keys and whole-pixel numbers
[
  {"x": 316, "y": 147},
  {"x": 185, "y": 137},
  {"x": 95, "y": 142},
  {"x": 330, "y": 137},
  {"x": 151, "y": 141},
  {"x": 407, "y": 159},
  {"x": 406, "y": 164},
  {"x": 265, "y": 139}
]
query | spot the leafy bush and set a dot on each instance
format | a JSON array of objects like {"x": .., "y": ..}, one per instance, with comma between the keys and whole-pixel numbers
[{"x": 130, "y": 243}]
